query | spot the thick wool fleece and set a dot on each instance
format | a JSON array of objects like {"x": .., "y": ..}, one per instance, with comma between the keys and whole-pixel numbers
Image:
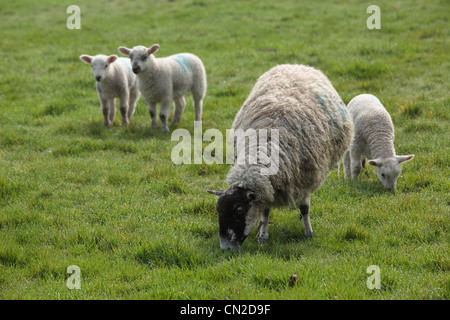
[
  {"x": 172, "y": 77},
  {"x": 314, "y": 126}
]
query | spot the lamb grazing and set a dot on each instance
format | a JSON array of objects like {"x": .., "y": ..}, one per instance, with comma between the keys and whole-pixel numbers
[
  {"x": 114, "y": 79},
  {"x": 314, "y": 130},
  {"x": 162, "y": 80},
  {"x": 374, "y": 139}
]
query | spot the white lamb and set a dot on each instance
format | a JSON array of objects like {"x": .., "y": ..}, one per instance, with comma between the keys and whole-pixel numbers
[
  {"x": 374, "y": 139},
  {"x": 162, "y": 80},
  {"x": 114, "y": 79}
]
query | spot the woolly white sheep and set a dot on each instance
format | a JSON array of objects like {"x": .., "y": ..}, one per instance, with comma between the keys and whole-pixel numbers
[
  {"x": 162, "y": 80},
  {"x": 374, "y": 139},
  {"x": 314, "y": 129},
  {"x": 114, "y": 79}
]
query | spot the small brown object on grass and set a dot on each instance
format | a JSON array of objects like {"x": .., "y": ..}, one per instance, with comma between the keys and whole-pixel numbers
[{"x": 293, "y": 280}]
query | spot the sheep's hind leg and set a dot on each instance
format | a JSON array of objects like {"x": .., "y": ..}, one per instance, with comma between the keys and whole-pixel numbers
[
  {"x": 198, "y": 107},
  {"x": 134, "y": 96},
  {"x": 346, "y": 161},
  {"x": 356, "y": 166},
  {"x": 263, "y": 234},
  {"x": 304, "y": 210},
  {"x": 180, "y": 104}
]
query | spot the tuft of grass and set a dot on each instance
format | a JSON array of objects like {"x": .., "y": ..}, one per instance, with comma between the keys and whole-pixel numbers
[
  {"x": 164, "y": 254},
  {"x": 412, "y": 110}
]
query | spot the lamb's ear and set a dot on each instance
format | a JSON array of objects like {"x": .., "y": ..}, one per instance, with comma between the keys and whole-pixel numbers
[
  {"x": 124, "y": 50},
  {"x": 401, "y": 159},
  {"x": 253, "y": 196},
  {"x": 112, "y": 58},
  {"x": 85, "y": 58},
  {"x": 153, "y": 49},
  {"x": 375, "y": 163},
  {"x": 217, "y": 193}
]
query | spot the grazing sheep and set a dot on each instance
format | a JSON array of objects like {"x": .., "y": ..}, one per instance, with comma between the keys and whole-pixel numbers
[
  {"x": 314, "y": 129},
  {"x": 114, "y": 79},
  {"x": 374, "y": 139},
  {"x": 162, "y": 80}
]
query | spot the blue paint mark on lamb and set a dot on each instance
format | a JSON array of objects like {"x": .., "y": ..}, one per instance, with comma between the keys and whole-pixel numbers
[{"x": 182, "y": 61}]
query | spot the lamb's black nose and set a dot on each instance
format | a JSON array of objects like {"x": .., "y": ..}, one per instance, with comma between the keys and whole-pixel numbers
[
  {"x": 98, "y": 78},
  {"x": 136, "y": 70}
]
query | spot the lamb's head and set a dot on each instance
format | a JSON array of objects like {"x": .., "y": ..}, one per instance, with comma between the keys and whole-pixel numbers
[
  {"x": 388, "y": 169},
  {"x": 238, "y": 209},
  {"x": 139, "y": 56},
  {"x": 99, "y": 64}
]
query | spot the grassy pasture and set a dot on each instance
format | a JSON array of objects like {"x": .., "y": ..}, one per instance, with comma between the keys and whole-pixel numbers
[{"x": 111, "y": 201}]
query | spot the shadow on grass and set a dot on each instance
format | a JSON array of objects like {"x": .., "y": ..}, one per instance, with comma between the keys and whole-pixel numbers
[
  {"x": 135, "y": 131},
  {"x": 364, "y": 188},
  {"x": 367, "y": 185},
  {"x": 96, "y": 129}
]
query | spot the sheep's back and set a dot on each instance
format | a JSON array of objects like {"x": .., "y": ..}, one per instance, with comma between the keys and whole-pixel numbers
[
  {"x": 373, "y": 125},
  {"x": 368, "y": 113}
]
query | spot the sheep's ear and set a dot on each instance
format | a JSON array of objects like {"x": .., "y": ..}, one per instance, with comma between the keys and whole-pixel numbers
[
  {"x": 153, "y": 48},
  {"x": 253, "y": 196},
  {"x": 217, "y": 193},
  {"x": 375, "y": 163},
  {"x": 401, "y": 159},
  {"x": 112, "y": 58},
  {"x": 124, "y": 50},
  {"x": 85, "y": 58}
]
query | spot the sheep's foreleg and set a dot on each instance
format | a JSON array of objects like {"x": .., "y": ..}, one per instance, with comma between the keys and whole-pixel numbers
[
  {"x": 152, "y": 111},
  {"x": 134, "y": 96},
  {"x": 164, "y": 114},
  {"x": 105, "y": 111},
  {"x": 124, "y": 99},
  {"x": 263, "y": 233},
  {"x": 304, "y": 210},
  {"x": 346, "y": 161}
]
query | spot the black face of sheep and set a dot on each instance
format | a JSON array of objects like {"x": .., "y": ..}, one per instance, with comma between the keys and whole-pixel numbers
[{"x": 238, "y": 212}]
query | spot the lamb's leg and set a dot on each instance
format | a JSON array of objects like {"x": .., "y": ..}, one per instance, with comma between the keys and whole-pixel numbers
[
  {"x": 346, "y": 161},
  {"x": 355, "y": 166},
  {"x": 134, "y": 96},
  {"x": 112, "y": 111},
  {"x": 124, "y": 99},
  {"x": 180, "y": 103},
  {"x": 152, "y": 111},
  {"x": 164, "y": 114},
  {"x": 105, "y": 111},
  {"x": 198, "y": 106},
  {"x": 304, "y": 210},
  {"x": 263, "y": 234},
  {"x": 198, "y": 91}
]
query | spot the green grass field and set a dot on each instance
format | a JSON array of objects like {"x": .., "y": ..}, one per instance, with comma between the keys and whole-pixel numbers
[{"x": 111, "y": 201}]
